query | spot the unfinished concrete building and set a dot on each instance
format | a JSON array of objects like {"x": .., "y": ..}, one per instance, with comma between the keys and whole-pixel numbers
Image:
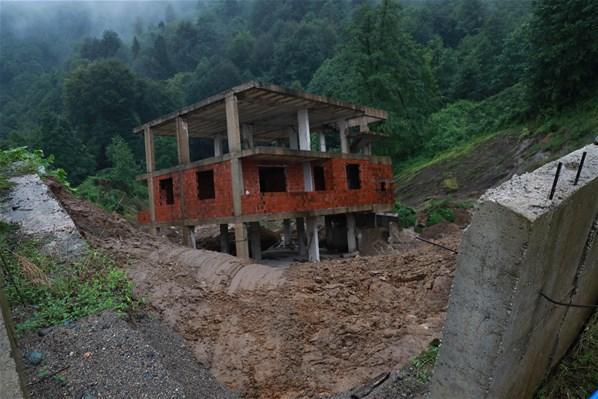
[{"x": 266, "y": 166}]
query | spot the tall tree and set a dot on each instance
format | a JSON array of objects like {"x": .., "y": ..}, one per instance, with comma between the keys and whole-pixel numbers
[
  {"x": 100, "y": 100},
  {"x": 57, "y": 138},
  {"x": 565, "y": 50},
  {"x": 388, "y": 70},
  {"x": 135, "y": 47}
]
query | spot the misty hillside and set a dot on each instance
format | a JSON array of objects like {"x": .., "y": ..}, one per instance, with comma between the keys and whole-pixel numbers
[{"x": 76, "y": 77}]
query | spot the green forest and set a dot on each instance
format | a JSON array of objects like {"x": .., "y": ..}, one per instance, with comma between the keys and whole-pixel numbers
[{"x": 75, "y": 78}]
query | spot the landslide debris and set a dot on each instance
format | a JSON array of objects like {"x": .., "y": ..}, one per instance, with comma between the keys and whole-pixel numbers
[{"x": 315, "y": 329}]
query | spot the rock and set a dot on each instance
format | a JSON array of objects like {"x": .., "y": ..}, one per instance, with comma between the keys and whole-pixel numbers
[
  {"x": 33, "y": 357},
  {"x": 442, "y": 284},
  {"x": 44, "y": 331}
]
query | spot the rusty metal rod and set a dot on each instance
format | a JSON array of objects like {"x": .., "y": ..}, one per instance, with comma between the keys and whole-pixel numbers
[
  {"x": 579, "y": 168},
  {"x": 556, "y": 180}
]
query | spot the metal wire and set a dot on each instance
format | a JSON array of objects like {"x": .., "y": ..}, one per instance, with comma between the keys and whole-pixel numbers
[{"x": 570, "y": 305}]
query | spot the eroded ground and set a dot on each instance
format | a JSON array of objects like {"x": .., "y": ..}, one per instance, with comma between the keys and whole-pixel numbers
[{"x": 320, "y": 329}]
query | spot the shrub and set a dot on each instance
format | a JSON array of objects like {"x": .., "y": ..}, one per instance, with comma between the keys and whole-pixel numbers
[{"x": 407, "y": 215}]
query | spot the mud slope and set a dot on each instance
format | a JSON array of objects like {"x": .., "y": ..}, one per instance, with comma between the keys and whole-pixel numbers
[{"x": 318, "y": 329}]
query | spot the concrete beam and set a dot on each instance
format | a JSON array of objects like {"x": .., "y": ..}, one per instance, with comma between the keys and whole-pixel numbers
[
  {"x": 182, "y": 141},
  {"x": 501, "y": 338},
  {"x": 351, "y": 233},
  {"x": 313, "y": 249},
  {"x": 255, "y": 240}
]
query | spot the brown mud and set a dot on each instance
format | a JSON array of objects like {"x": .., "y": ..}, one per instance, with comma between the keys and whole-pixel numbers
[{"x": 307, "y": 331}]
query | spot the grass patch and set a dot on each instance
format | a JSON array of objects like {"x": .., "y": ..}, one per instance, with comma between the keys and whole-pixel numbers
[
  {"x": 408, "y": 169},
  {"x": 423, "y": 364},
  {"x": 43, "y": 292},
  {"x": 576, "y": 376}
]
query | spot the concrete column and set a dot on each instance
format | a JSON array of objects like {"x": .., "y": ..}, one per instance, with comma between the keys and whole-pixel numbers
[
  {"x": 241, "y": 240},
  {"x": 308, "y": 177},
  {"x": 304, "y": 144},
  {"x": 293, "y": 140},
  {"x": 342, "y": 131},
  {"x": 150, "y": 163},
  {"x": 224, "y": 244},
  {"x": 301, "y": 247},
  {"x": 351, "y": 238},
  {"x": 286, "y": 233},
  {"x": 328, "y": 231},
  {"x": 255, "y": 240},
  {"x": 234, "y": 145},
  {"x": 189, "y": 236},
  {"x": 363, "y": 125},
  {"x": 322, "y": 140},
  {"x": 247, "y": 132},
  {"x": 182, "y": 141},
  {"x": 218, "y": 146},
  {"x": 313, "y": 249},
  {"x": 303, "y": 132}
]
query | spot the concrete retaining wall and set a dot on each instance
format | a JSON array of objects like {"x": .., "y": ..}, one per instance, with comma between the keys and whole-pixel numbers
[
  {"x": 11, "y": 383},
  {"x": 501, "y": 338}
]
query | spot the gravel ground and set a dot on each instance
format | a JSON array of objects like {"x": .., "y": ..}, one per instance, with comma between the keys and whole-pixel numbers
[{"x": 104, "y": 356}]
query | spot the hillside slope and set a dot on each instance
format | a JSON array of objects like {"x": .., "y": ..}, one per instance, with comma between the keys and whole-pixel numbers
[{"x": 489, "y": 158}]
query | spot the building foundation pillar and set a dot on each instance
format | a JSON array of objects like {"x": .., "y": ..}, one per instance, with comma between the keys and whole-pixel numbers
[
  {"x": 313, "y": 242},
  {"x": 189, "y": 236},
  {"x": 302, "y": 249},
  {"x": 286, "y": 233},
  {"x": 351, "y": 237},
  {"x": 255, "y": 240},
  {"x": 224, "y": 244}
]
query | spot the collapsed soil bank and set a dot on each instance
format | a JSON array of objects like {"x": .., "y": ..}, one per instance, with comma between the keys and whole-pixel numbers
[{"x": 308, "y": 331}]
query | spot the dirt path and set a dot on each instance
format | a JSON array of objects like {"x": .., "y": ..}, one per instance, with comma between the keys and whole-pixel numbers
[{"x": 312, "y": 330}]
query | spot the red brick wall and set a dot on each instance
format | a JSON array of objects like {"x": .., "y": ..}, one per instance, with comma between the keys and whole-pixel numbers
[
  {"x": 336, "y": 194},
  {"x": 194, "y": 208}
]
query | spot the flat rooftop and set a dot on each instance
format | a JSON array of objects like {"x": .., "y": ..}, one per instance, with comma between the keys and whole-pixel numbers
[{"x": 269, "y": 108}]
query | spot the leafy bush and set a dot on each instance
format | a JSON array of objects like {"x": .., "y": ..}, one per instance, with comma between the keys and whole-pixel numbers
[
  {"x": 438, "y": 211},
  {"x": 407, "y": 216},
  {"x": 57, "y": 292},
  {"x": 463, "y": 120},
  {"x": 116, "y": 189},
  {"x": 438, "y": 215},
  {"x": 21, "y": 160}
]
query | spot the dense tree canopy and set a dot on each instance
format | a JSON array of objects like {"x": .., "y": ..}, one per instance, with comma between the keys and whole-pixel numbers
[{"x": 65, "y": 76}]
